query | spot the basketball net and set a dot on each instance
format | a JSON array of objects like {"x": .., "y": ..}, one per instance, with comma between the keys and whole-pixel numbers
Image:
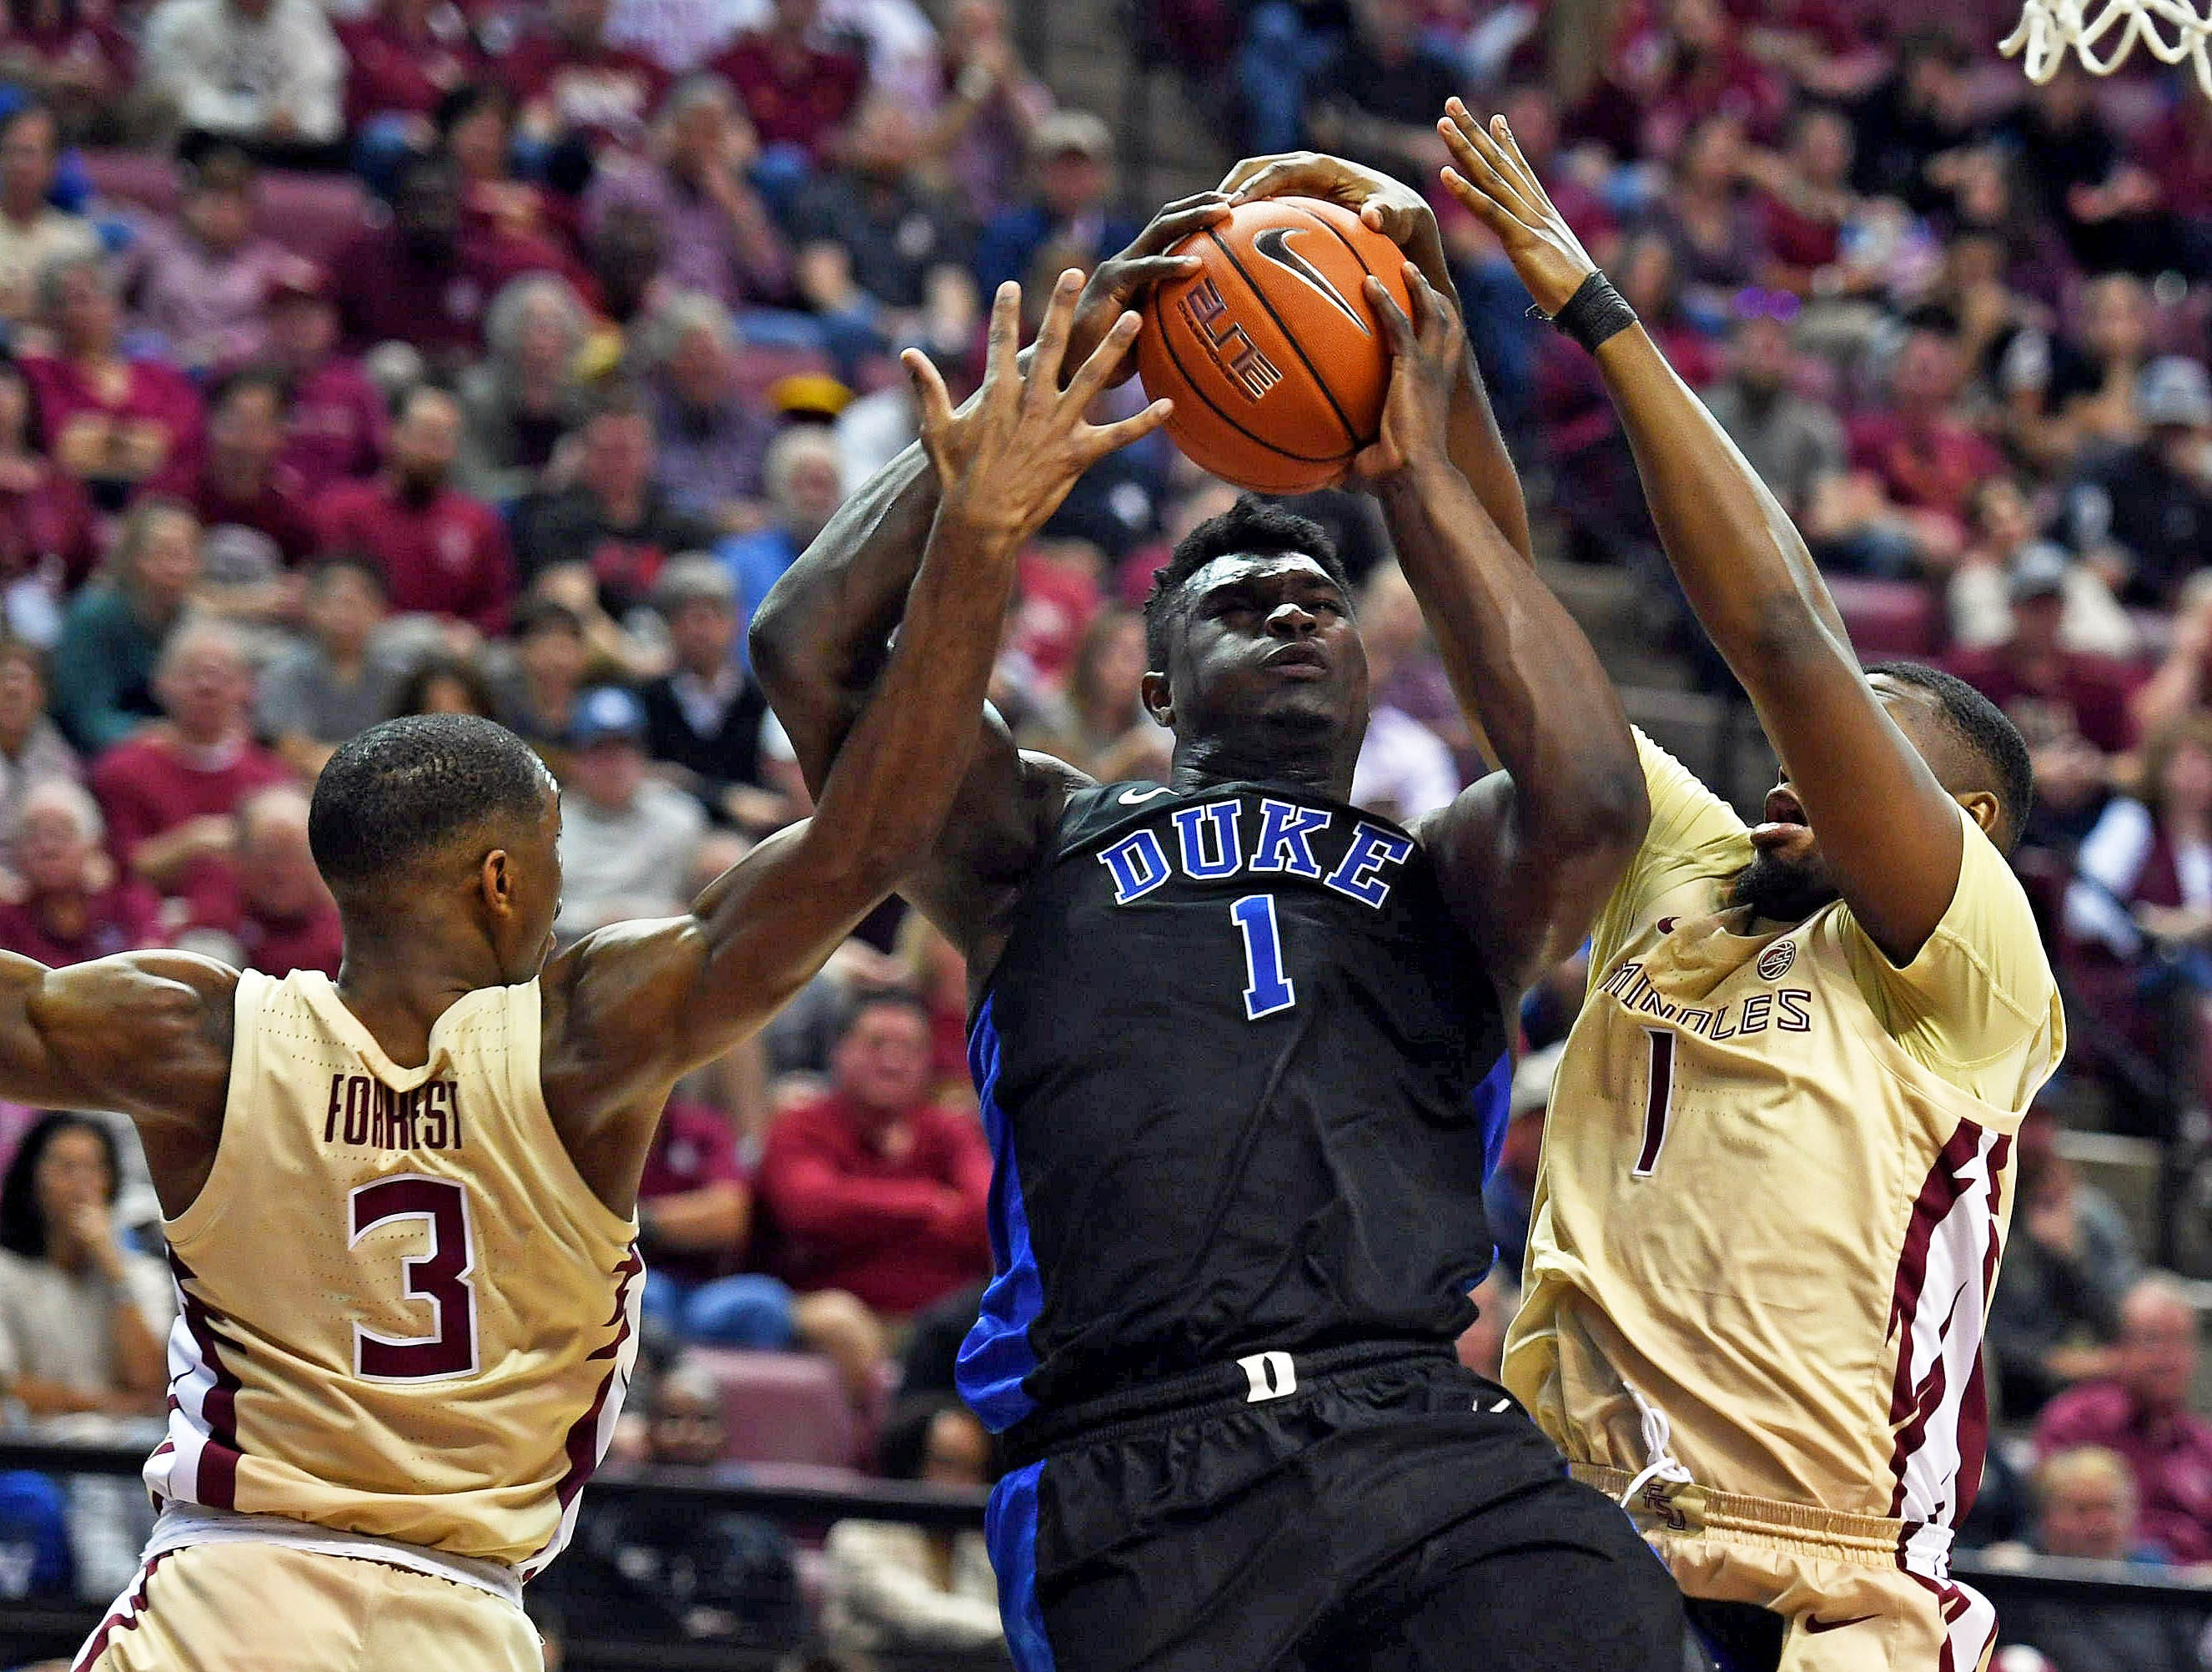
[{"x": 2102, "y": 33}]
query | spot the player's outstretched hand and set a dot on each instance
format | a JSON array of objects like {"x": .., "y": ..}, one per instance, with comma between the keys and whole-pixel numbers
[
  {"x": 1427, "y": 352},
  {"x": 1495, "y": 182},
  {"x": 1007, "y": 459},
  {"x": 1119, "y": 282},
  {"x": 1385, "y": 205}
]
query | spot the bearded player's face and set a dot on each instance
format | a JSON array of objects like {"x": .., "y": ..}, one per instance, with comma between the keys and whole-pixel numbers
[
  {"x": 1265, "y": 642},
  {"x": 1788, "y": 878}
]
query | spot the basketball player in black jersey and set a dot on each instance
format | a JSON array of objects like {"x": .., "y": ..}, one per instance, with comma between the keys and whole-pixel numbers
[{"x": 1226, "y": 1033}]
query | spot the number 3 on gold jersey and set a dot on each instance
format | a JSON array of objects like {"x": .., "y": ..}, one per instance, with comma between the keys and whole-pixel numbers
[
  {"x": 441, "y": 1277},
  {"x": 1658, "y": 1100}
]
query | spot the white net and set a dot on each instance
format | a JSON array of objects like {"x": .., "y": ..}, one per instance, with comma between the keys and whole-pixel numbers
[{"x": 2102, "y": 33}]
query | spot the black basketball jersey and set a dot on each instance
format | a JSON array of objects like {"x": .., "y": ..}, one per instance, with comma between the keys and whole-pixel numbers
[{"x": 1227, "y": 1064}]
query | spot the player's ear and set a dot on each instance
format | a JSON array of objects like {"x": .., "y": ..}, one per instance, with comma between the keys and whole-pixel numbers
[
  {"x": 1159, "y": 701},
  {"x": 496, "y": 880},
  {"x": 1984, "y": 809}
]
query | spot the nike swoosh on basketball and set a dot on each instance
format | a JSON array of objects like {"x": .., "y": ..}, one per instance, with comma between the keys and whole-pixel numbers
[
  {"x": 1129, "y": 798},
  {"x": 1274, "y": 243},
  {"x": 1817, "y": 1624}
]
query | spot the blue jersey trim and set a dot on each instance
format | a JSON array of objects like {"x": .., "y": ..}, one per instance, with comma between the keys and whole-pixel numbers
[
  {"x": 1493, "y": 1111},
  {"x": 1010, "y": 1530},
  {"x": 998, "y": 1357}
]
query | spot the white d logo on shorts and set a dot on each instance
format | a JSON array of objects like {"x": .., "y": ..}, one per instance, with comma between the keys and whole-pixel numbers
[{"x": 1272, "y": 1375}]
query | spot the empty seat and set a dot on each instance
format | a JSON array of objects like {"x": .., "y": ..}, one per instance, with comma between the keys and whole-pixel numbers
[
  {"x": 311, "y": 215},
  {"x": 781, "y": 1408},
  {"x": 1888, "y": 617}
]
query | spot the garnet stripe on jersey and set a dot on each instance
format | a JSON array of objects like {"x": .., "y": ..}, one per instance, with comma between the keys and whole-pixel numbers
[
  {"x": 217, "y": 1466},
  {"x": 123, "y": 1617}
]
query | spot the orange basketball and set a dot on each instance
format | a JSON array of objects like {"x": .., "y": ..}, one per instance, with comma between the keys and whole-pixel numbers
[{"x": 1275, "y": 362}]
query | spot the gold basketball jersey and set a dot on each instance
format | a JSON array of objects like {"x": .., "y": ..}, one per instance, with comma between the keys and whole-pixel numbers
[
  {"x": 402, "y": 1312},
  {"x": 1775, "y": 1184}
]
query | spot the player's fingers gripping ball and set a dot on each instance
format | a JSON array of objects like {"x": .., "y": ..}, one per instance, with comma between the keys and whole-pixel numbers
[{"x": 1275, "y": 361}]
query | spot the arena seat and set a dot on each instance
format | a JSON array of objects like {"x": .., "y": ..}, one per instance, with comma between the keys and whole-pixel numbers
[
  {"x": 1888, "y": 617},
  {"x": 781, "y": 1408},
  {"x": 311, "y": 215}
]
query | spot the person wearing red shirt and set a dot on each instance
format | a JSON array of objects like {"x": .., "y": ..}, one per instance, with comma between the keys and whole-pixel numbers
[
  {"x": 114, "y": 423},
  {"x": 797, "y": 94},
  {"x": 71, "y": 56},
  {"x": 253, "y": 514},
  {"x": 402, "y": 59},
  {"x": 287, "y": 920},
  {"x": 46, "y": 517},
  {"x": 871, "y": 1189},
  {"x": 337, "y": 424},
  {"x": 569, "y": 82},
  {"x": 2143, "y": 1413},
  {"x": 72, "y": 907},
  {"x": 440, "y": 551},
  {"x": 1922, "y": 458},
  {"x": 172, "y": 792}
]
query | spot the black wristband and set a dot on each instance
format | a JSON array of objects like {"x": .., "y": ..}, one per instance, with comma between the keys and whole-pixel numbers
[{"x": 1593, "y": 314}]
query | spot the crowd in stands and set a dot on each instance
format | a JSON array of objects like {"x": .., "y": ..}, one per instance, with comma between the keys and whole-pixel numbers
[{"x": 367, "y": 357}]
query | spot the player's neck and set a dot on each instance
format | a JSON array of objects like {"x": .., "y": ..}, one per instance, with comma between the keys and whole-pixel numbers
[
  {"x": 1318, "y": 768},
  {"x": 396, "y": 986}
]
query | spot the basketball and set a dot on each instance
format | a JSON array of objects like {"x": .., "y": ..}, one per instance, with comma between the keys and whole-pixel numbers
[{"x": 1275, "y": 362}]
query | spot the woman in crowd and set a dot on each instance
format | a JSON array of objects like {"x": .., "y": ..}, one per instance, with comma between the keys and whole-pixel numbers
[
  {"x": 519, "y": 400},
  {"x": 47, "y": 530}
]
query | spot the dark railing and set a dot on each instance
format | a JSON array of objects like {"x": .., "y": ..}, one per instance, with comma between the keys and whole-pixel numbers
[{"x": 29, "y": 1631}]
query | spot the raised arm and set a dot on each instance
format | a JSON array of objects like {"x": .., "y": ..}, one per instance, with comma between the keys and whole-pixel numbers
[
  {"x": 1400, "y": 214},
  {"x": 1887, "y": 826},
  {"x": 632, "y": 1008},
  {"x": 1527, "y": 854},
  {"x": 820, "y": 638}
]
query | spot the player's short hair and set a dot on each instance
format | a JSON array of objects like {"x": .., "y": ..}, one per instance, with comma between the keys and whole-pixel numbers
[
  {"x": 1250, "y": 527},
  {"x": 1987, "y": 734},
  {"x": 403, "y": 788}
]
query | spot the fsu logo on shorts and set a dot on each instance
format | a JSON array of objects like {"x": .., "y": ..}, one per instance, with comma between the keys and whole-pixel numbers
[{"x": 1774, "y": 963}]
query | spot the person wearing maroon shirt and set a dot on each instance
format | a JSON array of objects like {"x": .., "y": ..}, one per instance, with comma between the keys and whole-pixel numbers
[
  {"x": 797, "y": 94},
  {"x": 440, "y": 551},
  {"x": 114, "y": 423},
  {"x": 72, "y": 907},
  {"x": 871, "y": 1189},
  {"x": 172, "y": 792},
  {"x": 287, "y": 920},
  {"x": 1918, "y": 451},
  {"x": 336, "y": 427},
  {"x": 70, "y": 56},
  {"x": 402, "y": 59},
  {"x": 254, "y": 521},
  {"x": 2143, "y": 1413},
  {"x": 426, "y": 278},
  {"x": 45, "y": 516},
  {"x": 570, "y": 83}
]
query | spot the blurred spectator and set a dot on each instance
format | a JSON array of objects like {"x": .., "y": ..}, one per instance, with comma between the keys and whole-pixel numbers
[
  {"x": 2073, "y": 395},
  {"x": 615, "y": 520},
  {"x": 266, "y": 75},
  {"x": 805, "y": 487},
  {"x": 172, "y": 792},
  {"x": 2085, "y": 1510},
  {"x": 1924, "y": 110},
  {"x": 334, "y": 682},
  {"x": 2106, "y": 208},
  {"x": 550, "y": 660},
  {"x": 403, "y": 56},
  {"x": 2183, "y": 681},
  {"x": 443, "y": 685},
  {"x": 931, "y": 965},
  {"x": 112, "y": 634},
  {"x": 73, "y": 906},
  {"x": 872, "y": 1189},
  {"x": 895, "y": 1589},
  {"x": 113, "y": 421},
  {"x": 1376, "y": 98},
  {"x": 500, "y": 208},
  {"x": 440, "y": 552},
  {"x": 1405, "y": 770},
  {"x": 2143, "y": 1413},
  {"x": 287, "y": 920},
  {"x": 1510, "y": 1196},
  {"x": 892, "y": 235},
  {"x": 32, "y": 750},
  {"x": 991, "y": 106},
  {"x": 1109, "y": 734},
  {"x": 1066, "y": 222},
  {"x": 2069, "y": 1261},
  {"x": 1710, "y": 220},
  {"x": 524, "y": 395},
  {"x": 70, "y": 56},
  {"x": 256, "y": 526},
  {"x": 33, "y": 233},
  {"x": 628, "y": 842},
  {"x": 707, "y": 718},
  {"x": 569, "y": 82},
  {"x": 1807, "y": 210},
  {"x": 694, "y": 1214},
  {"x": 797, "y": 92},
  {"x": 48, "y": 535},
  {"x": 81, "y": 1318},
  {"x": 714, "y": 439},
  {"x": 2142, "y": 513},
  {"x": 1919, "y": 456},
  {"x": 717, "y": 237},
  {"x": 2004, "y": 554},
  {"x": 1793, "y": 443},
  {"x": 202, "y": 281},
  {"x": 337, "y": 421}
]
